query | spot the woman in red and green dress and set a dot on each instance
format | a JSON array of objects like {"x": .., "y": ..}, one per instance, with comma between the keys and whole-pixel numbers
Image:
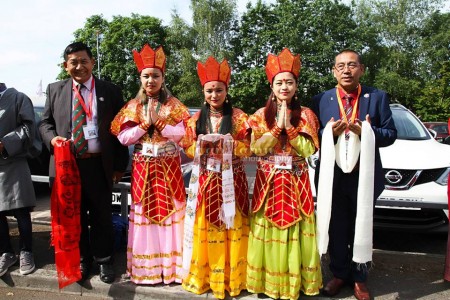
[{"x": 283, "y": 258}]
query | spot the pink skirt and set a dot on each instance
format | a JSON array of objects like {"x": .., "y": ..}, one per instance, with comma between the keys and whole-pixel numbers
[{"x": 154, "y": 250}]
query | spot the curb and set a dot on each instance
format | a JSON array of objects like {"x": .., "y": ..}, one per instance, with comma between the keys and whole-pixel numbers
[{"x": 46, "y": 281}]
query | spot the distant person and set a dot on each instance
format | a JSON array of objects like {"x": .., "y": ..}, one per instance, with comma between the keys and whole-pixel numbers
[
  {"x": 216, "y": 222},
  {"x": 282, "y": 250},
  {"x": 154, "y": 122},
  {"x": 17, "y": 198},
  {"x": 74, "y": 107},
  {"x": 355, "y": 120}
]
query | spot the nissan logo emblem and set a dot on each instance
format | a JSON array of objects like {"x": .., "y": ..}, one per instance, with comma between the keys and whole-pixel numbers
[{"x": 393, "y": 176}]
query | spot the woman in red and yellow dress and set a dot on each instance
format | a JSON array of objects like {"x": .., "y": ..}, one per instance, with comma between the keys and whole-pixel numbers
[
  {"x": 154, "y": 122},
  {"x": 216, "y": 223},
  {"x": 283, "y": 258}
]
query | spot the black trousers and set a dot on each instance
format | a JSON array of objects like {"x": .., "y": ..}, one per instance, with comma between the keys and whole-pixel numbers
[
  {"x": 23, "y": 218},
  {"x": 342, "y": 229},
  {"x": 97, "y": 237}
]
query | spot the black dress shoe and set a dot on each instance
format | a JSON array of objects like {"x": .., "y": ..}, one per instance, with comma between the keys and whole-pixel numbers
[
  {"x": 85, "y": 269},
  {"x": 107, "y": 273}
]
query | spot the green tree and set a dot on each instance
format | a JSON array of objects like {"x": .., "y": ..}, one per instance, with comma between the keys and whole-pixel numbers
[
  {"x": 317, "y": 30},
  {"x": 252, "y": 40},
  {"x": 398, "y": 25},
  {"x": 434, "y": 102},
  {"x": 181, "y": 75},
  {"x": 212, "y": 23},
  {"x": 210, "y": 34}
]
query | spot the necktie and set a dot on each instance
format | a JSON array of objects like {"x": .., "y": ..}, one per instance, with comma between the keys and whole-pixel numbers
[
  {"x": 78, "y": 120},
  {"x": 348, "y": 108}
]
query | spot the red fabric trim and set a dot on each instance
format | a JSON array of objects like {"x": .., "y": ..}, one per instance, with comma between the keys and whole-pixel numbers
[{"x": 65, "y": 211}]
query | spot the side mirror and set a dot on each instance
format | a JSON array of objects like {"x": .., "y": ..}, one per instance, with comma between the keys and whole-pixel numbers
[{"x": 433, "y": 132}]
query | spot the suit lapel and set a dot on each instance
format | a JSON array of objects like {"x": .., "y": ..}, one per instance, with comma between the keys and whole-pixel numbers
[
  {"x": 332, "y": 106},
  {"x": 66, "y": 99},
  {"x": 100, "y": 97},
  {"x": 364, "y": 99}
]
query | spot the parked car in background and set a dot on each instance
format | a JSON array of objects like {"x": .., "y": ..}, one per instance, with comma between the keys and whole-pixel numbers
[
  {"x": 416, "y": 170},
  {"x": 439, "y": 128}
]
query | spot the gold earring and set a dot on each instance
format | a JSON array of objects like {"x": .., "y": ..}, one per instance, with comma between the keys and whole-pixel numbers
[
  {"x": 296, "y": 98},
  {"x": 273, "y": 98},
  {"x": 204, "y": 103}
]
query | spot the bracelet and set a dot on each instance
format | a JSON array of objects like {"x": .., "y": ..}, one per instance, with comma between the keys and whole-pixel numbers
[
  {"x": 292, "y": 133},
  {"x": 275, "y": 131},
  {"x": 144, "y": 125},
  {"x": 160, "y": 125}
]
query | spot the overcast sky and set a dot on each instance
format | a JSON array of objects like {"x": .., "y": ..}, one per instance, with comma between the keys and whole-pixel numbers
[{"x": 35, "y": 33}]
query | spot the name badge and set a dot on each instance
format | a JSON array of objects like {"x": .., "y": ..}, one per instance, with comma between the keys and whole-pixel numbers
[
  {"x": 148, "y": 149},
  {"x": 90, "y": 132},
  {"x": 213, "y": 165},
  {"x": 283, "y": 162}
]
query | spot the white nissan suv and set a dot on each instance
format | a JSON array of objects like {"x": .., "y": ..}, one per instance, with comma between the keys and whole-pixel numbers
[{"x": 416, "y": 171}]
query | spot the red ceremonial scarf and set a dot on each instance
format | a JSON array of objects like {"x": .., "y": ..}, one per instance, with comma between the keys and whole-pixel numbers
[{"x": 65, "y": 211}]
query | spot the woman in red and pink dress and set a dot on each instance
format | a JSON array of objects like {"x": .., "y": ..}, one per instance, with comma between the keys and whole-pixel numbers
[{"x": 154, "y": 122}]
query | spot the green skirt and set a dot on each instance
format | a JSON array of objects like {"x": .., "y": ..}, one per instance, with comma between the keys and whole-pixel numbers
[{"x": 281, "y": 263}]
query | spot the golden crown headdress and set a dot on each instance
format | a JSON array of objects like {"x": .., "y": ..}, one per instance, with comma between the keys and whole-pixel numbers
[
  {"x": 284, "y": 62},
  {"x": 149, "y": 58},
  {"x": 213, "y": 71}
]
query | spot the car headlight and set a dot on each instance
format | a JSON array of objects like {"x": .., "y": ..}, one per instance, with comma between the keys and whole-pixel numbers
[{"x": 443, "y": 179}]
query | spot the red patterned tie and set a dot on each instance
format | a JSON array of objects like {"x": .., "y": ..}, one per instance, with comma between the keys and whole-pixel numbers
[
  {"x": 348, "y": 111},
  {"x": 78, "y": 120}
]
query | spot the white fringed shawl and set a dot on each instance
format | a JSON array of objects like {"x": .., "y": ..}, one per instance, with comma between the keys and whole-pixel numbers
[{"x": 346, "y": 154}]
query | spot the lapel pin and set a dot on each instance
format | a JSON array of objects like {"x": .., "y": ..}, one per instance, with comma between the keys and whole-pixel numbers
[
  {"x": 366, "y": 95},
  {"x": 101, "y": 99}
]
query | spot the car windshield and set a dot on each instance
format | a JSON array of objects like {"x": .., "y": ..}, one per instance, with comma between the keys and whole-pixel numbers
[
  {"x": 408, "y": 126},
  {"x": 38, "y": 111},
  {"x": 441, "y": 128}
]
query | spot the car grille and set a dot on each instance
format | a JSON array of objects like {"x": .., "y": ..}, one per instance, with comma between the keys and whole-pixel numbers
[
  {"x": 422, "y": 219},
  {"x": 409, "y": 178}
]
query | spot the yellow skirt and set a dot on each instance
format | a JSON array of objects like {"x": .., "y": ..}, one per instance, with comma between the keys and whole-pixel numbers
[{"x": 219, "y": 258}]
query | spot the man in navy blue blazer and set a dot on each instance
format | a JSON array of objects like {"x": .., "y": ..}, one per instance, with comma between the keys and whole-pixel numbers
[{"x": 371, "y": 105}]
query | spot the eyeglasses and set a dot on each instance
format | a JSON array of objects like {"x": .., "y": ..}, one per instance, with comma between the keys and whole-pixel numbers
[{"x": 351, "y": 66}]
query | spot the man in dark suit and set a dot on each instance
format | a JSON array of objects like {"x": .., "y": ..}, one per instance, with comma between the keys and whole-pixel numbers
[
  {"x": 100, "y": 158},
  {"x": 343, "y": 108}
]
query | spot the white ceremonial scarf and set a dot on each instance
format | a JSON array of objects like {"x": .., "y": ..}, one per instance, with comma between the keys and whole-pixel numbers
[
  {"x": 228, "y": 209},
  {"x": 345, "y": 154}
]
